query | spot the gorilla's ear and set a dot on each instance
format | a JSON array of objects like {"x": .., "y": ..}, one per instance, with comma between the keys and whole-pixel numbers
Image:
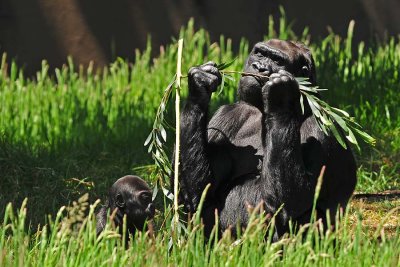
[{"x": 119, "y": 201}]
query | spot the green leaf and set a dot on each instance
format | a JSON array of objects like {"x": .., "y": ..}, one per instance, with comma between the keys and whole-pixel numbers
[
  {"x": 302, "y": 103},
  {"x": 225, "y": 65},
  {"x": 158, "y": 141},
  {"x": 341, "y": 111},
  {"x": 340, "y": 121},
  {"x": 158, "y": 158},
  {"x": 155, "y": 192},
  {"x": 167, "y": 193},
  {"x": 163, "y": 133},
  {"x": 313, "y": 105},
  {"x": 352, "y": 139},
  {"x": 150, "y": 147},
  {"x": 338, "y": 136},
  {"x": 302, "y": 80},
  {"x": 148, "y": 139},
  {"x": 325, "y": 120},
  {"x": 352, "y": 123},
  {"x": 317, "y": 102},
  {"x": 230, "y": 77},
  {"x": 366, "y": 137},
  {"x": 221, "y": 88},
  {"x": 162, "y": 107},
  {"x": 308, "y": 89},
  {"x": 169, "y": 87},
  {"x": 321, "y": 125}
]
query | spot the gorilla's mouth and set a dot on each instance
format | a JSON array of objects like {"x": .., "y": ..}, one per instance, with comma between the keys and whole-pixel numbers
[
  {"x": 260, "y": 73},
  {"x": 262, "y": 77}
]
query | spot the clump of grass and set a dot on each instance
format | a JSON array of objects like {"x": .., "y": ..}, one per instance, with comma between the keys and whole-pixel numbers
[{"x": 57, "y": 243}]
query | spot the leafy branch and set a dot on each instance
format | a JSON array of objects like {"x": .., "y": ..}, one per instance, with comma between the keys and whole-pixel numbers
[
  {"x": 158, "y": 135},
  {"x": 332, "y": 121}
]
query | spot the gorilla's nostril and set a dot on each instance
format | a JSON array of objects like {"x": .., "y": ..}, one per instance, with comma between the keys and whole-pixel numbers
[
  {"x": 260, "y": 67},
  {"x": 257, "y": 65}
]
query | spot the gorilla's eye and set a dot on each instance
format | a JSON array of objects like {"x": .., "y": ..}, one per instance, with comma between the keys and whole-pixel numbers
[
  {"x": 258, "y": 52},
  {"x": 305, "y": 71},
  {"x": 146, "y": 197},
  {"x": 119, "y": 201}
]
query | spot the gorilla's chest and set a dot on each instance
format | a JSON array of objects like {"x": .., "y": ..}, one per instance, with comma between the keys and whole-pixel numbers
[{"x": 236, "y": 129}]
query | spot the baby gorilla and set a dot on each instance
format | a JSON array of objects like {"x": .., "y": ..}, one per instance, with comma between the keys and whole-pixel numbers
[{"x": 130, "y": 196}]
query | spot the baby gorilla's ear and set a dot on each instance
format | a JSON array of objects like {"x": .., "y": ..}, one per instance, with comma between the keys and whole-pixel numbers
[{"x": 119, "y": 201}]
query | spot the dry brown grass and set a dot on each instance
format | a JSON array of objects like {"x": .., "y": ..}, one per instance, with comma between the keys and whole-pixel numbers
[{"x": 379, "y": 213}]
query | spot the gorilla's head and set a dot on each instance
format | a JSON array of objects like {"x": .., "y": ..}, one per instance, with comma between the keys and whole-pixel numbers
[
  {"x": 133, "y": 198},
  {"x": 270, "y": 57}
]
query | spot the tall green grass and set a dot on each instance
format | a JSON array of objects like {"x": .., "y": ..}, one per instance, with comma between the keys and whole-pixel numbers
[{"x": 70, "y": 239}]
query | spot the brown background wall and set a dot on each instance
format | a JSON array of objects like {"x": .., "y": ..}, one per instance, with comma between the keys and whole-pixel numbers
[{"x": 99, "y": 30}]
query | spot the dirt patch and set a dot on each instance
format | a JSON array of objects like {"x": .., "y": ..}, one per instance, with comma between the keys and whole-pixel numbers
[{"x": 379, "y": 212}]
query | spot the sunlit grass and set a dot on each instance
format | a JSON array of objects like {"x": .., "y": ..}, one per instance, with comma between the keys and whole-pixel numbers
[{"x": 70, "y": 239}]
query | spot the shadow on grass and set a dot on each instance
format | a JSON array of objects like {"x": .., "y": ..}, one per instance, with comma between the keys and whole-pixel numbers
[{"x": 51, "y": 178}]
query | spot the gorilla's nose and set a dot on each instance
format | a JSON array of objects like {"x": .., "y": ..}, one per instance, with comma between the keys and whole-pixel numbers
[
  {"x": 151, "y": 210},
  {"x": 260, "y": 67}
]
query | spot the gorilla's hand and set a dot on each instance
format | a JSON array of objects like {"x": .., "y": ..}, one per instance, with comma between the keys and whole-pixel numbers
[
  {"x": 203, "y": 80},
  {"x": 281, "y": 94}
]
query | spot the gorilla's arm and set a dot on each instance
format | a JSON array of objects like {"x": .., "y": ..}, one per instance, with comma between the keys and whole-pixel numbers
[
  {"x": 195, "y": 168},
  {"x": 101, "y": 220},
  {"x": 283, "y": 171}
]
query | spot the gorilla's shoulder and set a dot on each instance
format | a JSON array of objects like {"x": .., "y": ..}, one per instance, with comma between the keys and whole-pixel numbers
[{"x": 234, "y": 123}]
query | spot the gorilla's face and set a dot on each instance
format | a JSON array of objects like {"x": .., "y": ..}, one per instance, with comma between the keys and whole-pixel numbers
[
  {"x": 133, "y": 197},
  {"x": 270, "y": 57},
  {"x": 139, "y": 207}
]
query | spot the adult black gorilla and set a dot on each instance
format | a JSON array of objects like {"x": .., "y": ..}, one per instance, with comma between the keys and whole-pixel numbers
[{"x": 261, "y": 148}]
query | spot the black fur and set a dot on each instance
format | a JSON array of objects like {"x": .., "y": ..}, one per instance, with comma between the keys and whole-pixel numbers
[
  {"x": 261, "y": 148},
  {"x": 130, "y": 196}
]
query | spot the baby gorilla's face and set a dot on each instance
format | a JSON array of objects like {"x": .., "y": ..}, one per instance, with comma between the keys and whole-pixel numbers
[
  {"x": 139, "y": 207},
  {"x": 133, "y": 198}
]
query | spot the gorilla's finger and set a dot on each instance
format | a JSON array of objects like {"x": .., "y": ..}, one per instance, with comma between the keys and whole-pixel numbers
[
  {"x": 210, "y": 69},
  {"x": 274, "y": 75},
  {"x": 285, "y": 78},
  {"x": 210, "y": 63},
  {"x": 214, "y": 81},
  {"x": 276, "y": 80}
]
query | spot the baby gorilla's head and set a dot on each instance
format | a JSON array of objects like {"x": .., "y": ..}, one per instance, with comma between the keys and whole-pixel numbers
[{"x": 130, "y": 196}]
